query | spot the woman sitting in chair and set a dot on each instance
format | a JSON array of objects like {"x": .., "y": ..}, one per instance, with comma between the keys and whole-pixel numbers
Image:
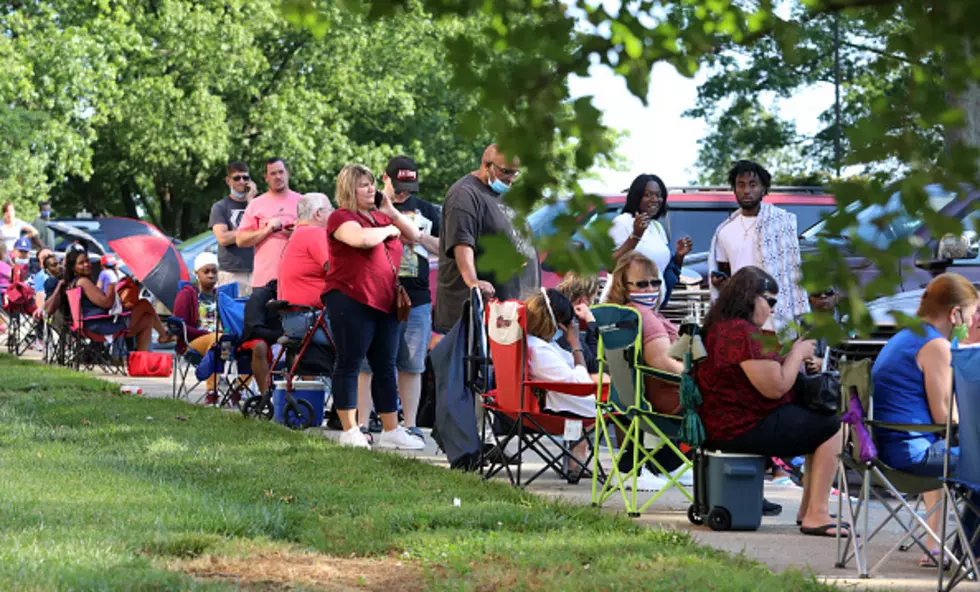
[
  {"x": 550, "y": 316},
  {"x": 913, "y": 382},
  {"x": 139, "y": 324},
  {"x": 748, "y": 395}
]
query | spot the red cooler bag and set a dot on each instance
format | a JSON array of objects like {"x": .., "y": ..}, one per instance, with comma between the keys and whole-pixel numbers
[{"x": 143, "y": 363}]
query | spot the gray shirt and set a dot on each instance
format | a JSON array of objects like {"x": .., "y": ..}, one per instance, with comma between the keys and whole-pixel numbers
[
  {"x": 44, "y": 233},
  {"x": 472, "y": 211},
  {"x": 229, "y": 212}
]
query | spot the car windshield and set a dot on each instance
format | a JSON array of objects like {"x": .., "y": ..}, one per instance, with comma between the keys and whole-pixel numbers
[
  {"x": 900, "y": 226},
  {"x": 542, "y": 220}
]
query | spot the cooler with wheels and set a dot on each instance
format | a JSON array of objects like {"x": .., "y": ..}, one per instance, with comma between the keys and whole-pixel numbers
[
  {"x": 728, "y": 490},
  {"x": 311, "y": 391}
]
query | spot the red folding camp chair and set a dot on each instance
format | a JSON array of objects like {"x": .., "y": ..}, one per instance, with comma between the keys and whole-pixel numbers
[
  {"x": 513, "y": 403},
  {"x": 88, "y": 349}
]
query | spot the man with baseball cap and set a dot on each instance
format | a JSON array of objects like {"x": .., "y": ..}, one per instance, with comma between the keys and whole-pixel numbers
[
  {"x": 402, "y": 174},
  {"x": 198, "y": 307}
]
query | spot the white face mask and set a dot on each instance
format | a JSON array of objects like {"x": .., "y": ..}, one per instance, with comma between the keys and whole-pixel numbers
[{"x": 19, "y": 261}]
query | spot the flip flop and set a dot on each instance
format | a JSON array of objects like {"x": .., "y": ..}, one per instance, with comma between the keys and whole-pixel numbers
[
  {"x": 800, "y": 522},
  {"x": 931, "y": 561},
  {"x": 824, "y": 531}
]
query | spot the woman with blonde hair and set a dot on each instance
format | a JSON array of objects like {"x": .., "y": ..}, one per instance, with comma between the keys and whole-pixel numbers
[
  {"x": 360, "y": 296},
  {"x": 913, "y": 381}
]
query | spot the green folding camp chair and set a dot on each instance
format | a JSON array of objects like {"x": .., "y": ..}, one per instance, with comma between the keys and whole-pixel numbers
[
  {"x": 876, "y": 477},
  {"x": 624, "y": 407}
]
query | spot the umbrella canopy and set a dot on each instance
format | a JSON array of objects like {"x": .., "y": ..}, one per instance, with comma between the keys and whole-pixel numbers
[
  {"x": 71, "y": 233},
  {"x": 148, "y": 254}
]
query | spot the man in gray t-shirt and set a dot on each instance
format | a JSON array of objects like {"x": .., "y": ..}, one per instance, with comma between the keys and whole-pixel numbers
[
  {"x": 474, "y": 208},
  {"x": 234, "y": 262}
]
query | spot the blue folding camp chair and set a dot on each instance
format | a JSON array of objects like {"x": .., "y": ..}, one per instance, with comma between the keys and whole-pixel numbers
[{"x": 961, "y": 488}]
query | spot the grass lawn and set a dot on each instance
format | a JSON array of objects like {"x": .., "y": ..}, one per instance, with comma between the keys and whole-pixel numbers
[{"x": 103, "y": 492}]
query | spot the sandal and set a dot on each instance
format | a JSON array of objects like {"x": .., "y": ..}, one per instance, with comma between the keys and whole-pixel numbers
[
  {"x": 931, "y": 561},
  {"x": 824, "y": 530}
]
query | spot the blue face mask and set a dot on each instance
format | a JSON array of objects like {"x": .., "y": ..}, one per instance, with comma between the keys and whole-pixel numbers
[
  {"x": 648, "y": 299},
  {"x": 46, "y": 214},
  {"x": 499, "y": 187},
  {"x": 558, "y": 335},
  {"x": 22, "y": 261}
]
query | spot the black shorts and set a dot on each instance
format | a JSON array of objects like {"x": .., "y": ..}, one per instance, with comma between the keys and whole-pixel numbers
[{"x": 789, "y": 431}]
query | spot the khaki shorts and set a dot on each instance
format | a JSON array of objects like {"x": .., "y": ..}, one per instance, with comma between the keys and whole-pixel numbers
[{"x": 242, "y": 278}]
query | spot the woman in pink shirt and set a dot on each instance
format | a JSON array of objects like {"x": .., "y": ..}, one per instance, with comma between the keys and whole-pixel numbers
[{"x": 365, "y": 253}]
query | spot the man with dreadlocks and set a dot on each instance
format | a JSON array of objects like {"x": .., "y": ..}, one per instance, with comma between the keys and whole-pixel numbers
[{"x": 762, "y": 235}]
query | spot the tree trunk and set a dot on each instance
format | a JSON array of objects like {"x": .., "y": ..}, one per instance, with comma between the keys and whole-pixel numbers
[
  {"x": 126, "y": 194},
  {"x": 186, "y": 219},
  {"x": 168, "y": 218}
]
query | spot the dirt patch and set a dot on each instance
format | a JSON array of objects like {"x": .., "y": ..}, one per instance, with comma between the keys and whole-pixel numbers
[{"x": 289, "y": 571}]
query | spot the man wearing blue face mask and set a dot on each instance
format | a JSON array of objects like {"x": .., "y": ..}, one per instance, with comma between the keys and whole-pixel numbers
[
  {"x": 44, "y": 234},
  {"x": 476, "y": 208}
]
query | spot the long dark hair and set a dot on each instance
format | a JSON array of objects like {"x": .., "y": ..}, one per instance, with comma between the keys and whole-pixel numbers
[
  {"x": 737, "y": 298},
  {"x": 68, "y": 277},
  {"x": 636, "y": 191}
]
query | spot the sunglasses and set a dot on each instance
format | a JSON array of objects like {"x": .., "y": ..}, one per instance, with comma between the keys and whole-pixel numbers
[
  {"x": 240, "y": 178},
  {"x": 770, "y": 301},
  {"x": 827, "y": 294},
  {"x": 506, "y": 172},
  {"x": 643, "y": 284}
]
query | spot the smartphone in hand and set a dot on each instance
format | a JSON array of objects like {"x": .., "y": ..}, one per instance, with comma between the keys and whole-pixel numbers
[{"x": 379, "y": 198}]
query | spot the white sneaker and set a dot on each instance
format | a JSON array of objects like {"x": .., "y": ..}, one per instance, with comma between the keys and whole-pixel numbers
[
  {"x": 399, "y": 439},
  {"x": 687, "y": 479},
  {"x": 354, "y": 438},
  {"x": 646, "y": 481}
]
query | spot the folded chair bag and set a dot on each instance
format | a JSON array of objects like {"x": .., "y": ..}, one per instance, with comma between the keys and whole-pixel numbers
[{"x": 143, "y": 363}]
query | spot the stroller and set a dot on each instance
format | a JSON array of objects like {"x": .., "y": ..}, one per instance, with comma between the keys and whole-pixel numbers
[{"x": 303, "y": 357}]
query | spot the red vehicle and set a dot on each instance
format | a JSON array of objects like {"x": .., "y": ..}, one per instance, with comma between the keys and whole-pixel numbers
[{"x": 693, "y": 211}]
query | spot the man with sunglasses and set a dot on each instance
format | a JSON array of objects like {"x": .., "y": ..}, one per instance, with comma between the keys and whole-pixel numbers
[
  {"x": 234, "y": 262},
  {"x": 475, "y": 208}
]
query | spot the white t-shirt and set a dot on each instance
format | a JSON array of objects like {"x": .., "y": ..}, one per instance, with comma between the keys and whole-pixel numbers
[
  {"x": 11, "y": 233},
  {"x": 549, "y": 362},
  {"x": 652, "y": 245},
  {"x": 736, "y": 246}
]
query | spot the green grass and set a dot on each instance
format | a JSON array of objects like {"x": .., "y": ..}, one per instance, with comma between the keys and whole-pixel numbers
[{"x": 101, "y": 492}]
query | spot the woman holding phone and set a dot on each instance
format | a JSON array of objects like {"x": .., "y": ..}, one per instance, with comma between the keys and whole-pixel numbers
[
  {"x": 638, "y": 229},
  {"x": 365, "y": 252}
]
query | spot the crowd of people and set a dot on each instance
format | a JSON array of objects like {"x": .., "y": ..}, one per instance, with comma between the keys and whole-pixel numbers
[{"x": 365, "y": 258}]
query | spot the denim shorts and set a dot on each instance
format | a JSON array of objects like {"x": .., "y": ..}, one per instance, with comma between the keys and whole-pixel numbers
[{"x": 414, "y": 336}]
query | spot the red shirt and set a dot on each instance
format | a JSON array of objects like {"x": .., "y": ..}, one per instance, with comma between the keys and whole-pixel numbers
[
  {"x": 366, "y": 275},
  {"x": 302, "y": 278},
  {"x": 732, "y": 406}
]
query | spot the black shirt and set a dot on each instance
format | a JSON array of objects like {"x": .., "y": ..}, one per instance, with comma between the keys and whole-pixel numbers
[
  {"x": 471, "y": 212},
  {"x": 260, "y": 322},
  {"x": 229, "y": 212},
  {"x": 413, "y": 273}
]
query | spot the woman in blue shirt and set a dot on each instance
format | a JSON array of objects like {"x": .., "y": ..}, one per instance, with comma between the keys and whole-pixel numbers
[{"x": 913, "y": 381}]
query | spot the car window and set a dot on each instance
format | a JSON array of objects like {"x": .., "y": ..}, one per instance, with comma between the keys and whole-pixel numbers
[{"x": 699, "y": 224}]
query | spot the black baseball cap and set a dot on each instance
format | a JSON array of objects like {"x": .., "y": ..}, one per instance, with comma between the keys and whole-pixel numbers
[{"x": 404, "y": 174}]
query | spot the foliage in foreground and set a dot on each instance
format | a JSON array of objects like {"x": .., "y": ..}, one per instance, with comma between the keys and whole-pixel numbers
[{"x": 101, "y": 491}]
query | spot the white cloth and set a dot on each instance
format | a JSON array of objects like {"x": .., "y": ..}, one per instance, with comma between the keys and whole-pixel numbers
[
  {"x": 653, "y": 244},
  {"x": 777, "y": 251},
  {"x": 547, "y": 361},
  {"x": 11, "y": 233},
  {"x": 736, "y": 244}
]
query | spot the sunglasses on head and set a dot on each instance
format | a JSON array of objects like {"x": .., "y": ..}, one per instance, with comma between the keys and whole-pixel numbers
[
  {"x": 642, "y": 284},
  {"x": 240, "y": 178}
]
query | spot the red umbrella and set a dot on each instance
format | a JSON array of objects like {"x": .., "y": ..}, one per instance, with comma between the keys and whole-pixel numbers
[{"x": 149, "y": 255}]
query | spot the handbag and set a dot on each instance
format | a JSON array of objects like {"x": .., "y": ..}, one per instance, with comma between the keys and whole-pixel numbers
[
  {"x": 819, "y": 392},
  {"x": 403, "y": 304},
  {"x": 143, "y": 363},
  {"x": 128, "y": 292}
]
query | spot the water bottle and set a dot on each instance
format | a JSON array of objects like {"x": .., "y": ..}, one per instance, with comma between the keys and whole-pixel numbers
[{"x": 225, "y": 350}]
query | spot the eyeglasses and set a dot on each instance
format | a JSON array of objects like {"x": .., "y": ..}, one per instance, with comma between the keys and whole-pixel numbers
[
  {"x": 240, "y": 178},
  {"x": 770, "y": 301},
  {"x": 643, "y": 284},
  {"x": 506, "y": 172}
]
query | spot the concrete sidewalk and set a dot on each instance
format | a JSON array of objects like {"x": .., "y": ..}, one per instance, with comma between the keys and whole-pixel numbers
[{"x": 778, "y": 543}]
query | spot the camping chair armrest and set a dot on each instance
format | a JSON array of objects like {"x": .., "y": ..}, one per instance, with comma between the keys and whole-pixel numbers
[
  {"x": 930, "y": 428},
  {"x": 106, "y": 316},
  {"x": 574, "y": 389},
  {"x": 660, "y": 374}
]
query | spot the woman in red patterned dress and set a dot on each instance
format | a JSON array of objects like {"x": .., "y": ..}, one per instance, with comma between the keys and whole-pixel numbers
[{"x": 748, "y": 394}]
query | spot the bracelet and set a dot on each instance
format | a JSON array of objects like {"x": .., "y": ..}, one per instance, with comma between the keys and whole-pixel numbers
[
  {"x": 634, "y": 237},
  {"x": 577, "y": 349}
]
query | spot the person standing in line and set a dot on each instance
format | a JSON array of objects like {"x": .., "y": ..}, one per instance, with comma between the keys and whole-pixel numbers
[
  {"x": 761, "y": 235},
  {"x": 234, "y": 262},
  {"x": 45, "y": 235},
  {"x": 475, "y": 207},
  {"x": 402, "y": 176}
]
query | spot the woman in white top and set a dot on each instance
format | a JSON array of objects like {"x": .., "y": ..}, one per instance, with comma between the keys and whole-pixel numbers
[
  {"x": 549, "y": 316},
  {"x": 638, "y": 229},
  {"x": 11, "y": 227}
]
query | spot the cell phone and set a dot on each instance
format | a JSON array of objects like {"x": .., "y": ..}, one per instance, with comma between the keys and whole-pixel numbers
[{"x": 379, "y": 198}]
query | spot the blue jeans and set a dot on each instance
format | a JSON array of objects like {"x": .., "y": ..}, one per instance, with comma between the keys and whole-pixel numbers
[
  {"x": 297, "y": 323},
  {"x": 413, "y": 341},
  {"x": 359, "y": 331},
  {"x": 931, "y": 464}
]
